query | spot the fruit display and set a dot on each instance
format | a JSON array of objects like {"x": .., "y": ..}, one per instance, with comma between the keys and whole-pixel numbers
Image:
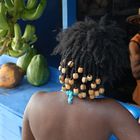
[
  {"x": 37, "y": 71},
  {"x": 25, "y": 59},
  {"x": 13, "y": 76},
  {"x": 12, "y": 41},
  {"x": 19, "y": 42}
]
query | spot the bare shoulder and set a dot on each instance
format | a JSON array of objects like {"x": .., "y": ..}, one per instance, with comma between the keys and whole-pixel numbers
[
  {"x": 41, "y": 98},
  {"x": 122, "y": 123}
]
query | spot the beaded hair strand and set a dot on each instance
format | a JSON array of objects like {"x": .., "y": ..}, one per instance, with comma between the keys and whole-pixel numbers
[{"x": 94, "y": 53}]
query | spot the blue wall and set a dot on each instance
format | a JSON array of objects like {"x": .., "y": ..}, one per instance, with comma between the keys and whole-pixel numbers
[{"x": 47, "y": 27}]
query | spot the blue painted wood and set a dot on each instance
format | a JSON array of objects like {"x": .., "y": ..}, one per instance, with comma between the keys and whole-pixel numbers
[
  {"x": 16, "y": 99},
  {"x": 10, "y": 122},
  {"x": 13, "y": 102},
  {"x": 68, "y": 12}
]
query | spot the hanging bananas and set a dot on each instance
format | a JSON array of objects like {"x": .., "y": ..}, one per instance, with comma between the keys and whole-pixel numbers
[
  {"x": 21, "y": 43},
  {"x": 33, "y": 39},
  {"x": 19, "y": 6},
  {"x": 33, "y": 14},
  {"x": 17, "y": 42},
  {"x": 29, "y": 34},
  {"x": 14, "y": 53},
  {"x": 3, "y": 19},
  {"x": 3, "y": 33},
  {"x": 9, "y": 4},
  {"x": 12, "y": 41},
  {"x": 31, "y": 4}
]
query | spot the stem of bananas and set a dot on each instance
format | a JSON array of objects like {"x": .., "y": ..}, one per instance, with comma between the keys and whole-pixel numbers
[{"x": 10, "y": 12}]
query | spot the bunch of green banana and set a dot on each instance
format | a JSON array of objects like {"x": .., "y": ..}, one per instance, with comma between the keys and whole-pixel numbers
[
  {"x": 33, "y": 11},
  {"x": 17, "y": 53},
  {"x": 3, "y": 19},
  {"x": 31, "y": 4},
  {"x": 24, "y": 47},
  {"x": 12, "y": 41},
  {"x": 9, "y": 4},
  {"x": 29, "y": 35},
  {"x": 19, "y": 6},
  {"x": 21, "y": 43},
  {"x": 14, "y": 7},
  {"x": 3, "y": 33},
  {"x": 17, "y": 42}
]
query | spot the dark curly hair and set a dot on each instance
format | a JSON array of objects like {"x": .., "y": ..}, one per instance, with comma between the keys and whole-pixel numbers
[{"x": 98, "y": 47}]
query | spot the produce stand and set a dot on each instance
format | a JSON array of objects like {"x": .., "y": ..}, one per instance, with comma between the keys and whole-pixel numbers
[{"x": 13, "y": 102}]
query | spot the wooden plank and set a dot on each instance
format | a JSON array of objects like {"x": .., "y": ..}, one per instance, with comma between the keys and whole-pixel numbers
[
  {"x": 68, "y": 12},
  {"x": 10, "y": 122}
]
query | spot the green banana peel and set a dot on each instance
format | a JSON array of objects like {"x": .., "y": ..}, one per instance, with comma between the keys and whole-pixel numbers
[
  {"x": 35, "y": 13},
  {"x": 17, "y": 53},
  {"x": 16, "y": 45},
  {"x": 33, "y": 39},
  {"x": 28, "y": 33},
  {"x": 17, "y": 41},
  {"x": 19, "y": 6},
  {"x": 31, "y": 4},
  {"x": 14, "y": 53},
  {"x": 3, "y": 33},
  {"x": 8, "y": 4},
  {"x": 17, "y": 32},
  {"x": 3, "y": 19}
]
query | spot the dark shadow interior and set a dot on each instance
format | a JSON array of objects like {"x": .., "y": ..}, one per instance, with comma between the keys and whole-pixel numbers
[{"x": 118, "y": 10}]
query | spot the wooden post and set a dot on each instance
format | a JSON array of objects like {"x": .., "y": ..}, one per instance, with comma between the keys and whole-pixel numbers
[{"x": 68, "y": 12}]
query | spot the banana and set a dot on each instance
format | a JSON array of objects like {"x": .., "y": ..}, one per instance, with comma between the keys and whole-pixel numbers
[
  {"x": 33, "y": 39},
  {"x": 3, "y": 20},
  {"x": 20, "y": 52},
  {"x": 31, "y": 4},
  {"x": 25, "y": 47},
  {"x": 17, "y": 42},
  {"x": 35, "y": 13},
  {"x": 4, "y": 44},
  {"x": 17, "y": 32},
  {"x": 16, "y": 45},
  {"x": 19, "y": 6},
  {"x": 8, "y": 4},
  {"x": 3, "y": 33},
  {"x": 28, "y": 33},
  {"x": 14, "y": 53}
]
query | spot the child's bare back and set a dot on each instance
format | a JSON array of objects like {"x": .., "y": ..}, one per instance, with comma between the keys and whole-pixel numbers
[{"x": 49, "y": 117}]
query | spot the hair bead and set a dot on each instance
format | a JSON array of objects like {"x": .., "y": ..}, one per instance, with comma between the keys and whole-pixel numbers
[
  {"x": 63, "y": 70},
  {"x": 67, "y": 86},
  {"x": 71, "y": 81},
  {"x": 80, "y": 96},
  {"x": 59, "y": 68},
  {"x": 101, "y": 90},
  {"x": 93, "y": 85},
  {"x": 89, "y": 77},
  {"x": 70, "y": 64},
  {"x": 91, "y": 92},
  {"x": 91, "y": 97},
  {"x": 61, "y": 82},
  {"x": 80, "y": 70},
  {"x": 76, "y": 90},
  {"x": 96, "y": 93},
  {"x": 84, "y": 79},
  {"x": 63, "y": 88},
  {"x": 83, "y": 87},
  {"x": 66, "y": 80},
  {"x": 84, "y": 94},
  {"x": 98, "y": 81},
  {"x": 75, "y": 76},
  {"x": 61, "y": 77}
]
